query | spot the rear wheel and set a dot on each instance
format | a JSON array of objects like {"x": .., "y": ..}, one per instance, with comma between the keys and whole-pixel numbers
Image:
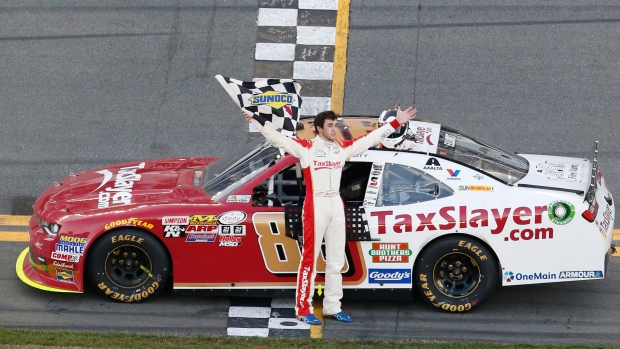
[
  {"x": 456, "y": 274},
  {"x": 128, "y": 265}
]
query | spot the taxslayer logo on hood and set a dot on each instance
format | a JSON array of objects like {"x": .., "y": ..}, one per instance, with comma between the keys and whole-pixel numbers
[{"x": 121, "y": 192}]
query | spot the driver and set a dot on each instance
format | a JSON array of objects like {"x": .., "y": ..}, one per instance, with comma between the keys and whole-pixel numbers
[{"x": 322, "y": 160}]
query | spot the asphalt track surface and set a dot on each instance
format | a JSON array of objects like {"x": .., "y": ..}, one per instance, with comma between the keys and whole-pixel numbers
[{"x": 91, "y": 83}]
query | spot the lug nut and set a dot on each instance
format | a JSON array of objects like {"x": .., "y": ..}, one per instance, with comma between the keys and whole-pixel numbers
[
  {"x": 133, "y": 255},
  {"x": 458, "y": 264},
  {"x": 464, "y": 269},
  {"x": 451, "y": 275},
  {"x": 450, "y": 267},
  {"x": 125, "y": 254},
  {"x": 116, "y": 252},
  {"x": 121, "y": 261}
]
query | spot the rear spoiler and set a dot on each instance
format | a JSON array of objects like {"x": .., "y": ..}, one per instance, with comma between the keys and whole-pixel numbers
[{"x": 591, "y": 193}]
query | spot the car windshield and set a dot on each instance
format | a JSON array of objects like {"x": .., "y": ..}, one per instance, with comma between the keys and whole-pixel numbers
[
  {"x": 229, "y": 173},
  {"x": 505, "y": 166}
]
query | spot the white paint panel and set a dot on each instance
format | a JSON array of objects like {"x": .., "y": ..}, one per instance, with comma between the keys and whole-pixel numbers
[
  {"x": 277, "y": 17},
  {"x": 313, "y": 70},
  {"x": 316, "y": 35},
  {"x": 247, "y": 332},
  {"x": 249, "y": 312},
  {"x": 315, "y": 105},
  {"x": 274, "y": 52},
  {"x": 276, "y": 323},
  {"x": 318, "y": 4}
]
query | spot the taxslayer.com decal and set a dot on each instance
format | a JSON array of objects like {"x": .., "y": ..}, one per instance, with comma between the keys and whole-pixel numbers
[
  {"x": 451, "y": 217},
  {"x": 121, "y": 192}
]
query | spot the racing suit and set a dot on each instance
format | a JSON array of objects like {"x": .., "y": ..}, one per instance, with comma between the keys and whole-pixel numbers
[{"x": 323, "y": 212}]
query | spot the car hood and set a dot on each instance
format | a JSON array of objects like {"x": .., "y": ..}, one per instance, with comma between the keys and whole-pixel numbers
[
  {"x": 556, "y": 172},
  {"x": 129, "y": 184}
]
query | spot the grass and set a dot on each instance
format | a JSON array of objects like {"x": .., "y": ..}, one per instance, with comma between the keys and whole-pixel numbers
[{"x": 18, "y": 339}]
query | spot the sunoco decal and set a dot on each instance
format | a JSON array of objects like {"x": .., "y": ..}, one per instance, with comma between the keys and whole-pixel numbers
[{"x": 273, "y": 99}]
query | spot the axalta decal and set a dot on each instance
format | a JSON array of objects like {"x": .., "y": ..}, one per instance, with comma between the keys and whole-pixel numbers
[
  {"x": 121, "y": 192},
  {"x": 509, "y": 276},
  {"x": 390, "y": 252},
  {"x": 321, "y": 165},
  {"x": 389, "y": 276},
  {"x": 273, "y": 99},
  {"x": 130, "y": 221},
  {"x": 451, "y": 217},
  {"x": 71, "y": 244}
]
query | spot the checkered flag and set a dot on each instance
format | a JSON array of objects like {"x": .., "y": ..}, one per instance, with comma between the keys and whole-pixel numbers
[{"x": 275, "y": 100}]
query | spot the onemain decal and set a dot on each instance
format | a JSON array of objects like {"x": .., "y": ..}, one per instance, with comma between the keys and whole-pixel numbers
[
  {"x": 200, "y": 237},
  {"x": 239, "y": 198},
  {"x": 595, "y": 274},
  {"x": 389, "y": 276},
  {"x": 71, "y": 244},
  {"x": 390, "y": 252},
  {"x": 494, "y": 218},
  {"x": 231, "y": 217},
  {"x": 232, "y": 230},
  {"x": 121, "y": 192},
  {"x": 509, "y": 276}
]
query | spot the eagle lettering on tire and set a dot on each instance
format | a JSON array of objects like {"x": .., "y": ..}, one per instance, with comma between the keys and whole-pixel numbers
[
  {"x": 128, "y": 265},
  {"x": 456, "y": 274}
]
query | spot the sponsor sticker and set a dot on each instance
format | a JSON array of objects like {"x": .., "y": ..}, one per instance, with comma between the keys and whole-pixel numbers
[
  {"x": 67, "y": 257},
  {"x": 200, "y": 237},
  {"x": 71, "y": 244},
  {"x": 210, "y": 219},
  {"x": 239, "y": 198},
  {"x": 121, "y": 192},
  {"x": 475, "y": 188},
  {"x": 232, "y": 230},
  {"x": 63, "y": 265},
  {"x": 231, "y": 217},
  {"x": 175, "y": 220},
  {"x": 64, "y": 275},
  {"x": 230, "y": 241},
  {"x": 509, "y": 276},
  {"x": 389, "y": 276},
  {"x": 432, "y": 164},
  {"x": 174, "y": 231},
  {"x": 561, "y": 212},
  {"x": 594, "y": 274},
  {"x": 397, "y": 252},
  {"x": 454, "y": 174}
]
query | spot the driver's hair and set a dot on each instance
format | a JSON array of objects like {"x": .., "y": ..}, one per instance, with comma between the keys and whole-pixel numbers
[{"x": 319, "y": 119}]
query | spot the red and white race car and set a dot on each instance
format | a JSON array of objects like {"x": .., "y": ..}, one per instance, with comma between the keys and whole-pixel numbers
[{"x": 432, "y": 210}]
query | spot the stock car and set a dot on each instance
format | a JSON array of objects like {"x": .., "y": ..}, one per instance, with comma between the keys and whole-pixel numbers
[{"x": 433, "y": 211}]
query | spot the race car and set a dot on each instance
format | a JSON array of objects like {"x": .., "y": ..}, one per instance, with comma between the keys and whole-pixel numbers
[{"x": 429, "y": 210}]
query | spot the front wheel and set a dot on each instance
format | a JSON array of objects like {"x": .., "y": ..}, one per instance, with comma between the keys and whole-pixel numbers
[
  {"x": 456, "y": 274},
  {"x": 128, "y": 265}
]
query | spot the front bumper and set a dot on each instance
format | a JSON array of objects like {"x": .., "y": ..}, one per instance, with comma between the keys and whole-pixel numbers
[{"x": 31, "y": 277}]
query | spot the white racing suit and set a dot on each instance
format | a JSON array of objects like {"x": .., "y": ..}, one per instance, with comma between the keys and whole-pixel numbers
[{"x": 323, "y": 212}]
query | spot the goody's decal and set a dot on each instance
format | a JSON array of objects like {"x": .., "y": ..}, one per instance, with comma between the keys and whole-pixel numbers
[
  {"x": 71, "y": 244},
  {"x": 389, "y": 276},
  {"x": 231, "y": 217},
  {"x": 121, "y": 192},
  {"x": 390, "y": 252}
]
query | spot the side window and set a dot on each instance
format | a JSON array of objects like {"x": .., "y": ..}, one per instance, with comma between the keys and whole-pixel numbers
[
  {"x": 403, "y": 185},
  {"x": 281, "y": 189}
]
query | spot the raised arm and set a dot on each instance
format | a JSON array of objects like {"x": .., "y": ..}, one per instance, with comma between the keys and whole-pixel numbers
[
  {"x": 278, "y": 140},
  {"x": 361, "y": 144}
]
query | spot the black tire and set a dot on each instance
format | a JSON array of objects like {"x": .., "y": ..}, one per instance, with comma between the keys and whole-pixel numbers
[
  {"x": 128, "y": 265},
  {"x": 456, "y": 274}
]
